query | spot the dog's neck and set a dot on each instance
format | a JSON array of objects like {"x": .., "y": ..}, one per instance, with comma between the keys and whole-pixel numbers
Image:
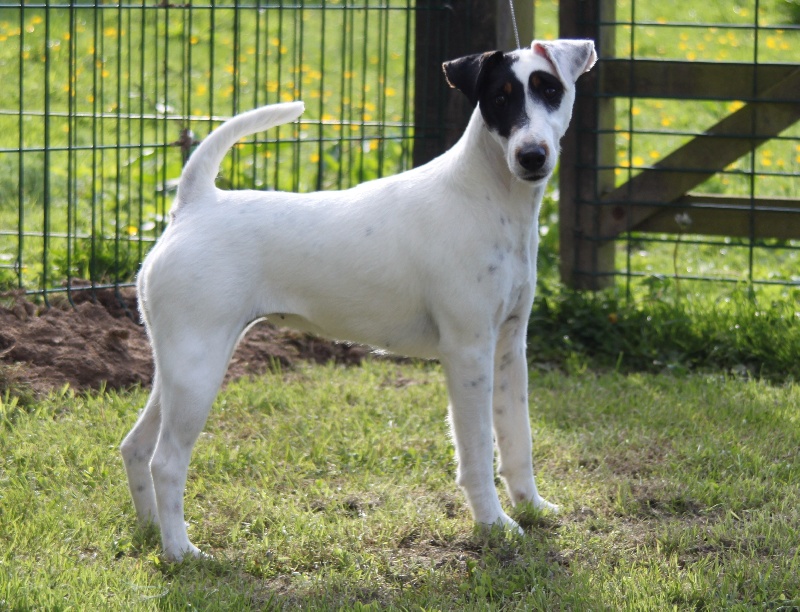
[{"x": 477, "y": 162}]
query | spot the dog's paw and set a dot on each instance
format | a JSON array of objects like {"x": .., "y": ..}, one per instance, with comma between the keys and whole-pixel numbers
[
  {"x": 503, "y": 522},
  {"x": 181, "y": 554},
  {"x": 545, "y": 506}
]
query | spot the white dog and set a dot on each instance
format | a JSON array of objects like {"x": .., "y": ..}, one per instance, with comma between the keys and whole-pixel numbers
[{"x": 437, "y": 262}]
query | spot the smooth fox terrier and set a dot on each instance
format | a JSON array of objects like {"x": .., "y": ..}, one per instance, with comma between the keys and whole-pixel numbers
[{"x": 436, "y": 262}]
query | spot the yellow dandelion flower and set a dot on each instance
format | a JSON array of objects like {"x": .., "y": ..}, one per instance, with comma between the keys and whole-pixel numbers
[
  {"x": 327, "y": 117},
  {"x": 194, "y": 40},
  {"x": 638, "y": 161},
  {"x": 390, "y": 91},
  {"x": 201, "y": 90},
  {"x": 654, "y": 154},
  {"x": 735, "y": 106},
  {"x": 772, "y": 42},
  {"x": 132, "y": 231},
  {"x": 766, "y": 161},
  {"x": 36, "y": 20},
  {"x": 635, "y": 110},
  {"x": 314, "y": 158},
  {"x": 666, "y": 122},
  {"x": 691, "y": 56},
  {"x": 683, "y": 36},
  {"x": 110, "y": 32}
]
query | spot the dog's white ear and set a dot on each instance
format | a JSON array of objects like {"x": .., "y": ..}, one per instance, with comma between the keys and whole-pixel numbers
[
  {"x": 467, "y": 73},
  {"x": 570, "y": 58}
]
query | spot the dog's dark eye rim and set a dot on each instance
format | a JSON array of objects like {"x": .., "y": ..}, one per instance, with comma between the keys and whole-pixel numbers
[{"x": 549, "y": 86}]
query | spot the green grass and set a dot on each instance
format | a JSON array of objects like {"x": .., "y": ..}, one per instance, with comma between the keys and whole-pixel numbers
[{"x": 327, "y": 487}]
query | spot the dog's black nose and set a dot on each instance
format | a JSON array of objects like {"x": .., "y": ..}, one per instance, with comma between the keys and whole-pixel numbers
[{"x": 532, "y": 158}]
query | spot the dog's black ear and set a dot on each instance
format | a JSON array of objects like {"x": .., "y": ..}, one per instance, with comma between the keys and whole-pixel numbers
[{"x": 467, "y": 73}]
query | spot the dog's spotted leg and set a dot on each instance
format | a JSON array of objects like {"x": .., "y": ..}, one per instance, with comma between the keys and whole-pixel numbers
[
  {"x": 137, "y": 451},
  {"x": 511, "y": 420},
  {"x": 469, "y": 382}
]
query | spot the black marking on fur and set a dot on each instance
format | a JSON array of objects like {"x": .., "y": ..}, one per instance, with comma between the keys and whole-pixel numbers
[
  {"x": 488, "y": 80},
  {"x": 547, "y": 89}
]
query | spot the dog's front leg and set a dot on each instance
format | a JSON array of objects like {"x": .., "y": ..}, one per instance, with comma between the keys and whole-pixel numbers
[
  {"x": 511, "y": 420},
  {"x": 469, "y": 382}
]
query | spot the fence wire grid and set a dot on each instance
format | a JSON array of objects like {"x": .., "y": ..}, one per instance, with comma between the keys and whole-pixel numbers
[
  {"x": 684, "y": 161},
  {"x": 691, "y": 149},
  {"x": 102, "y": 103}
]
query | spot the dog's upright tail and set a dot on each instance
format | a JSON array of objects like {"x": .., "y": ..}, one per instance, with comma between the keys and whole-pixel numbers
[{"x": 201, "y": 170}]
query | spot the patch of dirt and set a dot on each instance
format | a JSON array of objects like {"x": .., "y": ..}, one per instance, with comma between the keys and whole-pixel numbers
[{"x": 98, "y": 341}]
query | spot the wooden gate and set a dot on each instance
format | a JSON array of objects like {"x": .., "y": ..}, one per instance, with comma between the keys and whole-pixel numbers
[{"x": 596, "y": 210}]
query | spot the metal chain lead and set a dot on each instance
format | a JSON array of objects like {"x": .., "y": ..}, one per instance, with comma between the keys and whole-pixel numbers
[{"x": 514, "y": 22}]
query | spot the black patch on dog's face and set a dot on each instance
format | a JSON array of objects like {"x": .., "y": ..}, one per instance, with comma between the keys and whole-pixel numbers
[
  {"x": 547, "y": 89},
  {"x": 501, "y": 98},
  {"x": 488, "y": 80}
]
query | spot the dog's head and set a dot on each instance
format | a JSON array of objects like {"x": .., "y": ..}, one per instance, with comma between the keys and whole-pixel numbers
[{"x": 525, "y": 98}]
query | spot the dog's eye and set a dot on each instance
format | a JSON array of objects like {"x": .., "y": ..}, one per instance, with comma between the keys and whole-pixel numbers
[
  {"x": 551, "y": 93},
  {"x": 500, "y": 100}
]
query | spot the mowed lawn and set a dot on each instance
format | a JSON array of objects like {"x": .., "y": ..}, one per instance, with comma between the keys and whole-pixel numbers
[{"x": 332, "y": 488}]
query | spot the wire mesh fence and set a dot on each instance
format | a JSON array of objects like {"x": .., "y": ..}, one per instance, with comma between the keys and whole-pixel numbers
[
  {"x": 683, "y": 161},
  {"x": 101, "y": 104},
  {"x": 685, "y": 164}
]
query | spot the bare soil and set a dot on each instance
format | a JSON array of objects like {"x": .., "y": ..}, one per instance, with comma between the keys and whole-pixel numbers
[{"x": 97, "y": 341}]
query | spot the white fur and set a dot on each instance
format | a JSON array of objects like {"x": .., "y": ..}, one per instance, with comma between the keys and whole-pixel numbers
[{"x": 439, "y": 261}]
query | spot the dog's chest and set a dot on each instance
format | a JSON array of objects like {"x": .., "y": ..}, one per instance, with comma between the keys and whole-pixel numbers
[{"x": 507, "y": 273}]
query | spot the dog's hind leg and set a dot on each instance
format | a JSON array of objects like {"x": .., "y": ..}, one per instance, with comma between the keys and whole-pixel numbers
[
  {"x": 191, "y": 366},
  {"x": 137, "y": 451},
  {"x": 511, "y": 419}
]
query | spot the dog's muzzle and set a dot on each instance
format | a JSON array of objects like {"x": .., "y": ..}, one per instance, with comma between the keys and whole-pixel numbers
[{"x": 533, "y": 159}]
